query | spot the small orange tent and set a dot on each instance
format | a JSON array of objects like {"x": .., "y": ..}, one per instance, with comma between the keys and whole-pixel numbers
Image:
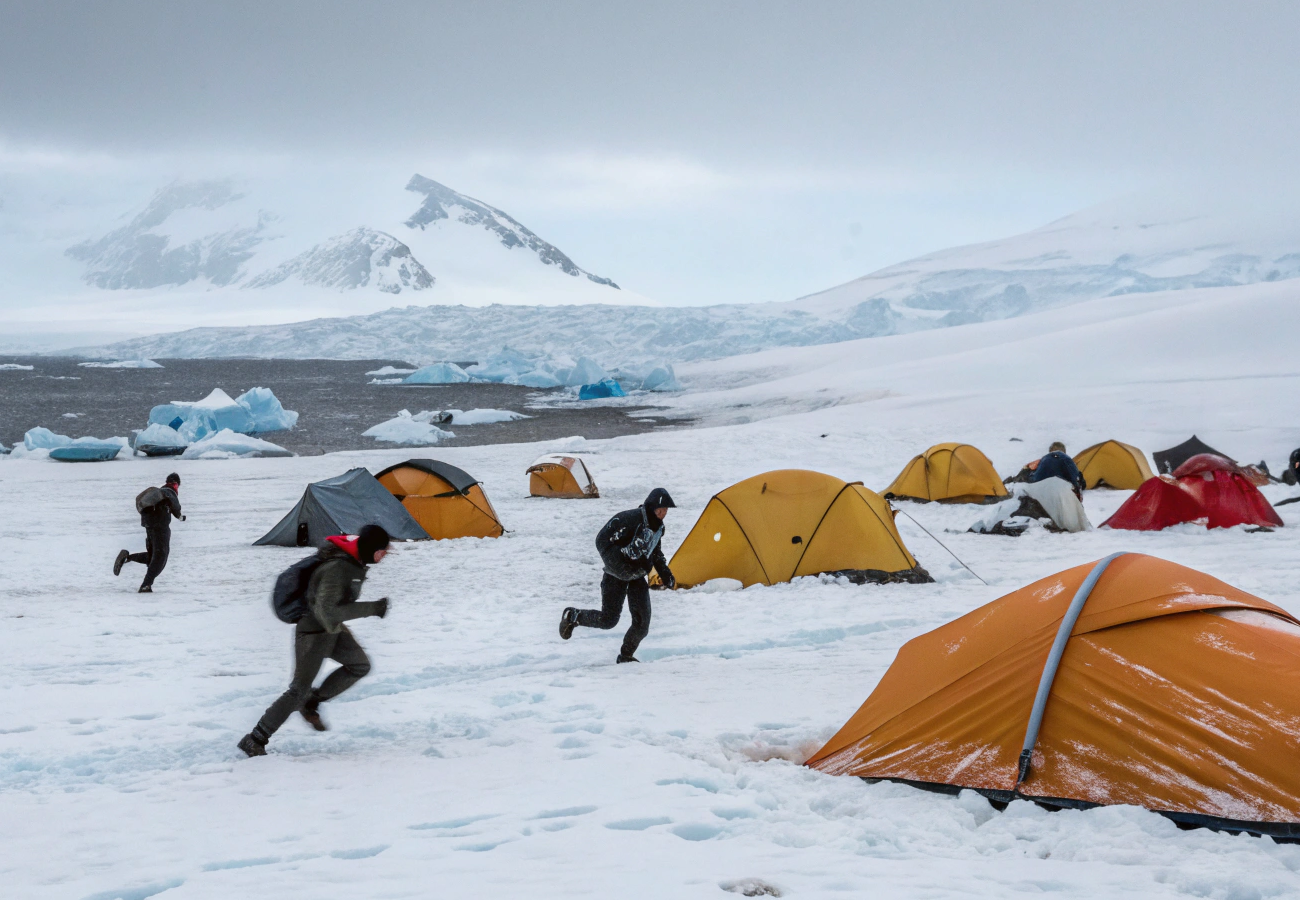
[
  {"x": 951, "y": 473},
  {"x": 558, "y": 475},
  {"x": 1128, "y": 681},
  {"x": 1113, "y": 464},
  {"x": 447, "y": 502}
]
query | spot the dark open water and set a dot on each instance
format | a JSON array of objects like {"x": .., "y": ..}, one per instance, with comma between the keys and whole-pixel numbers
[{"x": 334, "y": 401}]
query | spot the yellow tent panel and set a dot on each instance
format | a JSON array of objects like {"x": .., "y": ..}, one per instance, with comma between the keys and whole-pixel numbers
[
  {"x": 557, "y": 475},
  {"x": 791, "y": 522},
  {"x": 951, "y": 473},
  {"x": 1113, "y": 464},
  {"x": 447, "y": 502}
]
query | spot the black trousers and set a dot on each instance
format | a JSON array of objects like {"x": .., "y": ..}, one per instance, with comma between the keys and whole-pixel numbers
[
  {"x": 310, "y": 650},
  {"x": 157, "y": 545},
  {"x": 612, "y": 593}
]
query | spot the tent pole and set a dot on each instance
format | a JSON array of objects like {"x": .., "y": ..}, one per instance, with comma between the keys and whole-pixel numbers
[
  {"x": 1054, "y": 662},
  {"x": 941, "y": 544}
]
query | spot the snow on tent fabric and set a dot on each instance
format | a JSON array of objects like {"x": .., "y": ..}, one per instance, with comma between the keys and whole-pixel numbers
[
  {"x": 446, "y": 501},
  {"x": 950, "y": 473},
  {"x": 1168, "y": 460},
  {"x": 560, "y": 476},
  {"x": 1225, "y": 493},
  {"x": 343, "y": 505},
  {"x": 1175, "y": 693},
  {"x": 600, "y": 390},
  {"x": 792, "y": 522},
  {"x": 160, "y": 440},
  {"x": 438, "y": 373},
  {"x": 1113, "y": 464},
  {"x": 226, "y": 444},
  {"x": 1159, "y": 503}
]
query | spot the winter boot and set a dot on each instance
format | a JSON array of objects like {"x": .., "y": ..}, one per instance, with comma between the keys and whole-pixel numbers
[
  {"x": 568, "y": 621},
  {"x": 624, "y": 657},
  {"x": 145, "y": 589},
  {"x": 122, "y": 557},
  {"x": 254, "y": 743},
  {"x": 311, "y": 712}
]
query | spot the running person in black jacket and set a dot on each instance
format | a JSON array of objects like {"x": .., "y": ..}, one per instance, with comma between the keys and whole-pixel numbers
[
  {"x": 630, "y": 545},
  {"x": 157, "y": 522}
]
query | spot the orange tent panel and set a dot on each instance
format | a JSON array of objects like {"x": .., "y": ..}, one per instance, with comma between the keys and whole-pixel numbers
[
  {"x": 559, "y": 476},
  {"x": 445, "y": 500}
]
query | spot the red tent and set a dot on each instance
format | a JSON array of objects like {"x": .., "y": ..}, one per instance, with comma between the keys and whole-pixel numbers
[
  {"x": 1225, "y": 493},
  {"x": 1158, "y": 503}
]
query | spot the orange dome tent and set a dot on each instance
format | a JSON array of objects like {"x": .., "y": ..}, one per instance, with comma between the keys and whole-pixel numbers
[
  {"x": 1113, "y": 464},
  {"x": 558, "y": 475},
  {"x": 792, "y": 522},
  {"x": 1131, "y": 680},
  {"x": 951, "y": 473},
  {"x": 447, "y": 502}
]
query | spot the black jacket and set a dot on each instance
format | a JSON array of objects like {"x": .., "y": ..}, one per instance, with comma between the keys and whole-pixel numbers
[
  {"x": 1058, "y": 465},
  {"x": 161, "y": 514},
  {"x": 631, "y": 543}
]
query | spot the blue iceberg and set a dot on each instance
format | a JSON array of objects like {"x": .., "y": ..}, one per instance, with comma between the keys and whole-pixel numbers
[
  {"x": 601, "y": 389},
  {"x": 438, "y": 373},
  {"x": 255, "y": 411}
]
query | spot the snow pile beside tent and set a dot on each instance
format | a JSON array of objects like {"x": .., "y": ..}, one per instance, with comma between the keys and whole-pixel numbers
[
  {"x": 254, "y": 412},
  {"x": 410, "y": 429},
  {"x": 227, "y": 444},
  {"x": 122, "y": 364}
]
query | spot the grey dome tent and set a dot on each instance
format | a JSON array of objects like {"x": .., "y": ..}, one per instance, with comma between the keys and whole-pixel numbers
[
  {"x": 341, "y": 505},
  {"x": 1168, "y": 460}
]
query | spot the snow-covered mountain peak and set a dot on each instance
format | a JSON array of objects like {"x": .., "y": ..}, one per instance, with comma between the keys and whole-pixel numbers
[{"x": 360, "y": 258}]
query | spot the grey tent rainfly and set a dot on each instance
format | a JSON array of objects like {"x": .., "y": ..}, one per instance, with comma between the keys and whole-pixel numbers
[{"x": 343, "y": 505}]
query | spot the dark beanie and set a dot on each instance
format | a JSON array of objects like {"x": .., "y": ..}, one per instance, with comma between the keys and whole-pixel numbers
[
  {"x": 173, "y": 478},
  {"x": 371, "y": 538}
]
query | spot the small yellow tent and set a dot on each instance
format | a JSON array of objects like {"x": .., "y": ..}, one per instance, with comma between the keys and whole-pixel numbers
[
  {"x": 447, "y": 502},
  {"x": 558, "y": 475},
  {"x": 952, "y": 473},
  {"x": 791, "y": 522},
  {"x": 1113, "y": 464}
]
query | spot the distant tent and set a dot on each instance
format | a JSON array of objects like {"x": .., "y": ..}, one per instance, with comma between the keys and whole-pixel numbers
[
  {"x": 1175, "y": 692},
  {"x": 1168, "y": 460},
  {"x": 952, "y": 473},
  {"x": 341, "y": 505},
  {"x": 561, "y": 476},
  {"x": 791, "y": 522},
  {"x": 1113, "y": 464},
  {"x": 1225, "y": 492},
  {"x": 607, "y": 387},
  {"x": 1159, "y": 503},
  {"x": 446, "y": 501}
]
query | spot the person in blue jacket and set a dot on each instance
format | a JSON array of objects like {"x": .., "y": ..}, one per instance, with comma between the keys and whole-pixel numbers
[{"x": 1058, "y": 464}]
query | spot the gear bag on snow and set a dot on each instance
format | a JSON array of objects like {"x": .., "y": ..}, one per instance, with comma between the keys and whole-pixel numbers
[
  {"x": 148, "y": 499},
  {"x": 289, "y": 596}
]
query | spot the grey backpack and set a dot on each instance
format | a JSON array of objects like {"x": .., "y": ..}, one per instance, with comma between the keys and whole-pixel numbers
[{"x": 149, "y": 498}]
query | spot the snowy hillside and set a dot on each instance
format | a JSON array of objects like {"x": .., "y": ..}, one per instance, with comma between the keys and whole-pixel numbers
[{"x": 1122, "y": 251}]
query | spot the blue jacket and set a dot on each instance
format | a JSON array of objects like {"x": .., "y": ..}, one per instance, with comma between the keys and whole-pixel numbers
[{"x": 1058, "y": 465}]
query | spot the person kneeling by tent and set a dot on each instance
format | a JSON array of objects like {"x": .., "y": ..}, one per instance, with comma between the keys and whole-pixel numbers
[
  {"x": 330, "y": 597},
  {"x": 630, "y": 545},
  {"x": 1058, "y": 464}
]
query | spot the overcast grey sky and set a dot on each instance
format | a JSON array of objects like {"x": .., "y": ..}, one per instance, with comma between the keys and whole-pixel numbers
[{"x": 760, "y": 149}]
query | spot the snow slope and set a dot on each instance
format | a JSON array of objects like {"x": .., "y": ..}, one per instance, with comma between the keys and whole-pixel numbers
[{"x": 485, "y": 757}]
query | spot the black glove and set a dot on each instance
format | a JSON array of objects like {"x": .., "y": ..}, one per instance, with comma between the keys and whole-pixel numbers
[
  {"x": 182, "y": 518},
  {"x": 670, "y": 582},
  {"x": 383, "y": 607}
]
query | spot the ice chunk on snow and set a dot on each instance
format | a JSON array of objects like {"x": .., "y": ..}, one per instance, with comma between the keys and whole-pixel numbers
[
  {"x": 267, "y": 411},
  {"x": 390, "y": 370},
  {"x": 226, "y": 444},
  {"x": 438, "y": 373},
  {"x": 43, "y": 439},
  {"x": 122, "y": 364},
  {"x": 484, "y": 416},
  {"x": 408, "y": 429}
]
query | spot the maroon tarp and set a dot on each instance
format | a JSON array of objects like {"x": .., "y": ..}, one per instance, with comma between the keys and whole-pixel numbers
[{"x": 1157, "y": 504}]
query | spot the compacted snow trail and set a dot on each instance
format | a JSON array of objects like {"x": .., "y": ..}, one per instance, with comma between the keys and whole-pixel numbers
[{"x": 483, "y": 756}]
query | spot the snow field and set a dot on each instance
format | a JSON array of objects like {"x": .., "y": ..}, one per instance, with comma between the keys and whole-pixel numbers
[{"x": 483, "y": 756}]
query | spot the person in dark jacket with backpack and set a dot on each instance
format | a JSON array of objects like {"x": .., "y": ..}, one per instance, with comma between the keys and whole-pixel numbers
[
  {"x": 333, "y": 596},
  {"x": 1058, "y": 464},
  {"x": 157, "y": 521},
  {"x": 630, "y": 545}
]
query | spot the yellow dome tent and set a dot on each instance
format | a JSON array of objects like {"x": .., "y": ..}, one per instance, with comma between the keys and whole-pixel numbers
[
  {"x": 791, "y": 522},
  {"x": 447, "y": 502},
  {"x": 1113, "y": 464},
  {"x": 558, "y": 475},
  {"x": 951, "y": 473}
]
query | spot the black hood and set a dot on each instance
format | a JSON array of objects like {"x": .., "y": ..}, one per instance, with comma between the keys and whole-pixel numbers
[{"x": 658, "y": 499}]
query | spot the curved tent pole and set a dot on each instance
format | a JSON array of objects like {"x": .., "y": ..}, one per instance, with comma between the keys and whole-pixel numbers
[{"x": 1054, "y": 662}]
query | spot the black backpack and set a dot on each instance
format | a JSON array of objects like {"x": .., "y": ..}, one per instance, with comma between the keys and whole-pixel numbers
[
  {"x": 148, "y": 499},
  {"x": 289, "y": 596}
]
